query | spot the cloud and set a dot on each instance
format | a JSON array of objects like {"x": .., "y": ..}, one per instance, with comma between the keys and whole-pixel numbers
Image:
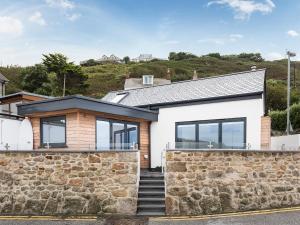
[
  {"x": 274, "y": 56},
  {"x": 73, "y": 17},
  {"x": 63, "y": 4},
  {"x": 10, "y": 26},
  {"x": 244, "y": 8},
  {"x": 37, "y": 17},
  {"x": 221, "y": 41},
  {"x": 171, "y": 42},
  {"x": 292, "y": 33},
  {"x": 235, "y": 37}
]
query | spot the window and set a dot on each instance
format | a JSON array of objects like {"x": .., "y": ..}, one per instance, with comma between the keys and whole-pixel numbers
[
  {"x": 119, "y": 97},
  {"x": 112, "y": 134},
  {"x": 227, "y": 133},
  {"x": 53, "y": 131},
  {"x": 208, "y": 135},
  {"x": 148, "y": 79},
  {"x": 186, "y": 135},
  {"x": 233, "y": 135}
]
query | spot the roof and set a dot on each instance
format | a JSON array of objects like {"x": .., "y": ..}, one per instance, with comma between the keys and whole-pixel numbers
[
  {"x": 225, "y": 86},
  {"x": 85, "y": 103},
  {"x": 3, "y": 78},
  {"x": 22, "y": 93}
]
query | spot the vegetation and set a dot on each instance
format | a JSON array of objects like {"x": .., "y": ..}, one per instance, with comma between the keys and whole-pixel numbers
[{"x": 96, "y": 80}]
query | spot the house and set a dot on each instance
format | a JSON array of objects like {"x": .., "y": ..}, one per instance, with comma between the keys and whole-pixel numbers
[
  {"x": 3, "y": 81},
  {"x": 143, "y": 58},
  {"x": 110, "y": 59},
  {"x": 226, "y": 112},
  {"x": 9, "y": 102}
]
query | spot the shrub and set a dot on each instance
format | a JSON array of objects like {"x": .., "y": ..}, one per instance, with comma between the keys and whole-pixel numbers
[{"x": 278, "y": 120}]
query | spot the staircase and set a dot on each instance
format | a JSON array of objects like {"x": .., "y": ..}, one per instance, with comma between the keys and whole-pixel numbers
[{"x": 151, "y": 199}]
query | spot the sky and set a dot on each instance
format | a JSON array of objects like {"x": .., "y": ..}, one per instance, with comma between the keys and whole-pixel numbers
[{"x": 84, "y": 29}]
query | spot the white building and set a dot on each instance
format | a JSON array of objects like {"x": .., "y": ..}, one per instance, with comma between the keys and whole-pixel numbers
[
  {"x": 216, "y": 112},
  {"x": 143, "y": 58}
]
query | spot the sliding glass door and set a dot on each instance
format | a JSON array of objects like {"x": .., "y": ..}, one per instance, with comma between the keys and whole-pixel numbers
[{"x": 113, "y": 134}]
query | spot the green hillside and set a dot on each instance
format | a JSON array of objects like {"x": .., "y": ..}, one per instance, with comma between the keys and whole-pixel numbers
[{"x": 108, "y": 77}]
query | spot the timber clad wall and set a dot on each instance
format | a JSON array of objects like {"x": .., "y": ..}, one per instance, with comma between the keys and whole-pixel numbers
[
  {"x": 81, "y": 131},
  {"x": 207, "y": 182},
  {"x": 68, "y": 183},
  {"x": 265, "y": 132}
]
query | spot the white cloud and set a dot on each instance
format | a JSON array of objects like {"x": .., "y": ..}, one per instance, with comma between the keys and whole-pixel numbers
[
  {"x": 244, "y": 8},
  {"x": 171, "y": 42},
  {"x": 221, "y": 41},
  {"x": 292, "y": 33},
  {"x": 37, "y": 17},
  {"x": 63, "y": 4},
  {"x": 73, "y": 17},
  {"x": 10, "y": 26},
  {"x": 274, "y": 56},
  {"x": 235, "y": 37}
]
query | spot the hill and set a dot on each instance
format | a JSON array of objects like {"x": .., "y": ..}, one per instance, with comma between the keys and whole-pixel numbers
[{"x": 108, "y": 77}]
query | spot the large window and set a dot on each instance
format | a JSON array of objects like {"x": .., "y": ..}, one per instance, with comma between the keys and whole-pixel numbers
[
  {"x": 112, "y": 134},
  {"x": 53, "y": 131},
  {"x": 227, "y": 133}
]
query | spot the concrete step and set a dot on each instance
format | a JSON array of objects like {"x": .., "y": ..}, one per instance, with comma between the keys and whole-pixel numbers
[
  {"x": 143, "y": 213},
  {"x": 152, "y": 194},
  {"x": 152, "y": 207},
  {"x": 145, "y": 201},
  {"x": 152, "y": 177},
  {"x": 152, "y": 182},
  {"x": 152, "y": 188}
]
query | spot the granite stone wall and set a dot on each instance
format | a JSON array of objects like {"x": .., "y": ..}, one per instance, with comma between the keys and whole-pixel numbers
[
  {"x": 228, "y": 181},
  {"x": 68, "y": 183}
]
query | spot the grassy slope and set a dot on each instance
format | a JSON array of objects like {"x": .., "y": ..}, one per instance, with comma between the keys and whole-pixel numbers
[{"x": 104, "y": 78}]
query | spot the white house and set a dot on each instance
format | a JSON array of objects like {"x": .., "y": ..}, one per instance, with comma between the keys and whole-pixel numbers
[{"x": 226, "y": 111}]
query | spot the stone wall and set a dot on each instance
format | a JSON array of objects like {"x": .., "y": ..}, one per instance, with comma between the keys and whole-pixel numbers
[
  {"x": 49, "y": 183},
  {"x": 207, "y": 182}
]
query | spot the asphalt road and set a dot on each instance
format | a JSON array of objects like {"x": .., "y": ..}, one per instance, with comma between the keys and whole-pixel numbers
[{"x": 279, "y": 218}]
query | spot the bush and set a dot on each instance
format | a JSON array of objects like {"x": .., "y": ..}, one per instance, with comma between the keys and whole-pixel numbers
[{"x": 279, "y": 118}]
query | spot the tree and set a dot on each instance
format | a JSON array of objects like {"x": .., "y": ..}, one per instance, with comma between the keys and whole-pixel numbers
[
  {"x": 67, "y": 73},
  {"x": 35, "y": 79},
  {"x": 180, "y": 56},
  {"x": 256, "y": 57},
  {"x": 126, "y": 59}
]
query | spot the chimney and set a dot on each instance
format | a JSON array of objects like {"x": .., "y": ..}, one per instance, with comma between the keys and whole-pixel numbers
[
  {"x": 253, "y": 68},
  {"x": 168, "y": 74},
  {"x": 195, "y": 75}
]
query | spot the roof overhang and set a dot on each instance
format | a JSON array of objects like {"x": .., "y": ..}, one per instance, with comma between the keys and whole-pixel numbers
[
  {"x": 85, "y": 103},
  {"x": 22, "y": 96}
]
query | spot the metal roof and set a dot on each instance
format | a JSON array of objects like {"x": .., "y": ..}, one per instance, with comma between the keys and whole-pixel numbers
[
  {"x": 24, "y": 93},
  {"x": 3, "y": 78},
  {"x": 85, "y": 103},
  {"x": 229, "y": 85}
]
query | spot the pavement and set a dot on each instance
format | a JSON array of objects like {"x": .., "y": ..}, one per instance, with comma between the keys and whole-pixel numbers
[{"x": 288, "y": 216}]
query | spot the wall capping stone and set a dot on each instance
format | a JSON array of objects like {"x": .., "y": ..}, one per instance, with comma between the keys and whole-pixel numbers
[
  {"x": 232, "y": 150},
  {"x": 66, "y": 151}
]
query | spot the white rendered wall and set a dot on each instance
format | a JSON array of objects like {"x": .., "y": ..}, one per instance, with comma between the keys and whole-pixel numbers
[
  {"x": 163, "y": 131},
  {"x": 9, "y": 133},
  {"x": 291, "y": 142}
]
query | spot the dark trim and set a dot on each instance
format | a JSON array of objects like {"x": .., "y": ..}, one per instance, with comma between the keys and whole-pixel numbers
[
  {"x": 149, "y": 146},
  {"x": 265, "y": 96},
  {"x": 11, "y": 116},
  {"x": 229, "y": 98},
  {"x": 111, "y": 121},
  {"x": 85, "y": 103},
  {"x": 220, "y": 126},
  {"x": 53, "y": 145}
]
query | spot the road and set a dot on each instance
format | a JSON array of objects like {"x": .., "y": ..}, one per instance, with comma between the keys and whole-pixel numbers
[{"x": 285, "y": 217}]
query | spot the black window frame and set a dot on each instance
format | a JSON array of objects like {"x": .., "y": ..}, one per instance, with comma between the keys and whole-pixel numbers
[
  {"x": 53, "y": 145},
  {"x": 111, "y": 121},
  {"x": 219, "y": 122}
]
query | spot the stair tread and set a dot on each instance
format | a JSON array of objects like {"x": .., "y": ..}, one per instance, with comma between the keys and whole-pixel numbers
[
  {"x": 151, "y": 199},
  {"x": 152, "y": 186},
  {"x": 151, "y": 214},
  {"x": 151, "y": 206}
]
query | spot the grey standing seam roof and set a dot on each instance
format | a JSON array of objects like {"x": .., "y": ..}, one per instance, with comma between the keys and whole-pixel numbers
[
  {"x": 235, "y": 84},
  {"x": 3, "y": 78}
]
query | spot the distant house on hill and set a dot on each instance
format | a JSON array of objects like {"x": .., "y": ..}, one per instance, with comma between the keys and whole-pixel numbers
[
  {"x": 112, "y": 59},
  {"x": 143, "y": 58}
]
